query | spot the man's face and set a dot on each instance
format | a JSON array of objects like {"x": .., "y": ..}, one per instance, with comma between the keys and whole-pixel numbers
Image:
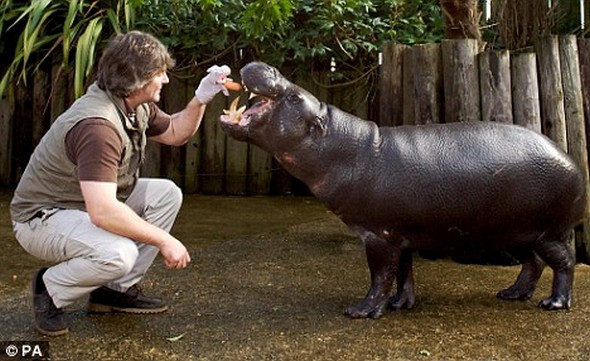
[{"x": 151, "y": 91}]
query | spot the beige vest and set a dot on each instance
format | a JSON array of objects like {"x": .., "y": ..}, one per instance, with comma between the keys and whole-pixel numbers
[{"x": 50, "y": 180}]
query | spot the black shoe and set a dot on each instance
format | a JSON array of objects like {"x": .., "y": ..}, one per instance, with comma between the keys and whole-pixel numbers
[
  {"x": 103, "y": 300},
  {"x": 48, "y": 318}
]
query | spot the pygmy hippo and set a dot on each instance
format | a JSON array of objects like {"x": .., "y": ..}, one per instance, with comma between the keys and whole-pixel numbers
[{"x": 439, "y": 187}]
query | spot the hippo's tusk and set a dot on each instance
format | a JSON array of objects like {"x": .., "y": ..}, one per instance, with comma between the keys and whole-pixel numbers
[{"x": 234, "y": 113}]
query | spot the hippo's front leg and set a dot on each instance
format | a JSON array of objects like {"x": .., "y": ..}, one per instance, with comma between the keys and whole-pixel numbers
[{"x": 383, "y": 258}]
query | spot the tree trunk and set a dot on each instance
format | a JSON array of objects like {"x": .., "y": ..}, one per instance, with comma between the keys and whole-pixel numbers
[{"x": 461, "y": 19}]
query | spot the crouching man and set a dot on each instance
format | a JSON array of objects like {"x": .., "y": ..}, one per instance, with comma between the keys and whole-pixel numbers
[{"x": 80, "y": 203}]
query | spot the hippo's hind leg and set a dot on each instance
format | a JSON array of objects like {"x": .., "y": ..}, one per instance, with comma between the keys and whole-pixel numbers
[
  {"x": 405, "y": 297},
  {"x": 526, "y": 282},
  {"x": 383, "y": 258},
  {"x": 559, "y": 256}
]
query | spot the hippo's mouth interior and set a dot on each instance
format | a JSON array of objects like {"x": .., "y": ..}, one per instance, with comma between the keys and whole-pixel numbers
[{"x": 242, "y": 116}]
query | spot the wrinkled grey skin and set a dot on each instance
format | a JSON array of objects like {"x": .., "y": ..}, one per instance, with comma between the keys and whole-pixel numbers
[{"x": 428, "y": 187}]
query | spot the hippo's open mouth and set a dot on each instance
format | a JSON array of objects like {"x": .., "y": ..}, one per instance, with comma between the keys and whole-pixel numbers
[
  {"x": 265, "y": 83},
  {"x": 244, "y": 117}
]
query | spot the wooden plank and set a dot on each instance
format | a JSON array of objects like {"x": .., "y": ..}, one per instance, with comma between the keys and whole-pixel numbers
[
  {"x": 59, "y": 92},
  {"x": 408, "y": 96},
  {"x": 391, "y": 85},
  {"x": 40, "y": 101},
  {"x": 576, "y": 129},
  {"x": 358, "y": 97},
  {"x": 495, "y": 84},
  {"x": 260, "y": 171},
  {"x": 461, "y": 80},
  {"x": 21, "y": 129},
  {"x": 153, "y": 158},
  {"x": 212, "y": 174},
  {"x": 551, "y": 90},
  {"x": 428, "y": 84},
  {"x": 525, "y": 92},
  {"x": 236, "y": 161},
  {"x": 192, "y": 161},
  {"x": 584, "y": 58},
  {"x": 7, "y": 106},
  {"x": 172, "y": 161},
  {"x": 192, "y": 149}
]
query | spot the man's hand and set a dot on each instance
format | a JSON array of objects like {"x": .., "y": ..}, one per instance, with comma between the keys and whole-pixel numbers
[
  {"x": 108, "y": 213},
  {"x": 213, "y": 83},
  {"x": 175, "y": 254}
]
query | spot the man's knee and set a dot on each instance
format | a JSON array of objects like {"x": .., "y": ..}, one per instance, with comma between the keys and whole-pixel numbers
[
  {"x": 119, "y": 259},
  {"x": 172, "y": 191}
]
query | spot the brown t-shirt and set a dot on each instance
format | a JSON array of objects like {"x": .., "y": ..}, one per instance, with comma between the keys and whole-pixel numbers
[{"x": 95, "y": 147}]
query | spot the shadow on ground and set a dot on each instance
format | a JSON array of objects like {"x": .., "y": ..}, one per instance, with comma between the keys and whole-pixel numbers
[{"x": 270, "y": 280}]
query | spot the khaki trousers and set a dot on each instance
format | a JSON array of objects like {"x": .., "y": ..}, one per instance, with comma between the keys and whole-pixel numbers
[{"x": 88, "y": 257}]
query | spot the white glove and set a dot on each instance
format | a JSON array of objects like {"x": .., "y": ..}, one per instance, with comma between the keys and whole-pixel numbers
[{"x": 213, "y": 83}]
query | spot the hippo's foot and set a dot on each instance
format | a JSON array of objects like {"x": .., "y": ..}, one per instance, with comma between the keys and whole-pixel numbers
[
  {"x": 402, "y": 300},
  {"x": 368, "y": 309},
  {"x": 556, "y": 303},
  {"x": 514, "y": 293}
]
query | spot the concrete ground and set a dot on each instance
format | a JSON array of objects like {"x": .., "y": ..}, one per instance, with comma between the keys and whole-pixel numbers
[{"x": 270, "y": 279}]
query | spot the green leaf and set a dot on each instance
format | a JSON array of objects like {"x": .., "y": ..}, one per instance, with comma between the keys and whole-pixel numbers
[
  {"x": 85, "y": 48},
  {"x": 68, "y": 34}
]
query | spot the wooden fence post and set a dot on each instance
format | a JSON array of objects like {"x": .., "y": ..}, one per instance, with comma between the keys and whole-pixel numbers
[
  {"x": 428, "y": 84},
  {"x": 525, "y": 93},
  {"x": 192, "y": 149},
  {"x": 259, "y": 171},
  {"x": 172, "y": 156},
  {"x": 41, "y": 84},
  {"x": 461, "y": 80},
  {"x": 584, "y": 56},
  {"x": 408, "y": 89},
  {"x": 236, "y": 159},
  {"x": 551, "y": 90},
  {"x": 59, "y": 91},
  {"x": 211, "y": 176},
  {"x": 7, "y": 106},
  {"x": 576, "y": 129},
  {"x": 495, "y": 83},
  {"x": 391, "y": 85}
]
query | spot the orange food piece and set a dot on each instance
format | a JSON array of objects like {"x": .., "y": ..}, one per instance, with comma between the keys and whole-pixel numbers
[{"x": 232, "y": 85}]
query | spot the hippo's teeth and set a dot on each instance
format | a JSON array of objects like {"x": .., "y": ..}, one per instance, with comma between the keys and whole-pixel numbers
[
  {"x": 252, "y": 95},
  {"x": 233, "y": 112}
]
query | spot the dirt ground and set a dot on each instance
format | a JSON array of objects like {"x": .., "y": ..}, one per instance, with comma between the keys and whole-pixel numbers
[{"x": 270, "y": 280}]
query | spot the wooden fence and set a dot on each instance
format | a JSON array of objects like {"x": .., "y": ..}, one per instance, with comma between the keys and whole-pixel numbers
[
  {"x": 546, "y": 89},
  {"x": 211, "y": 163}
]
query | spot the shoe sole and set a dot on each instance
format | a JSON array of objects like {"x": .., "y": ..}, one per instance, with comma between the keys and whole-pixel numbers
[
  {"x": 52, "y": 333},
  {"x": 98, "y": 308}
]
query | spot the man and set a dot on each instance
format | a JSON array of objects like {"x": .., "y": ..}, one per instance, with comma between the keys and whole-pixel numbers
[{"x": 80, "y": 202}]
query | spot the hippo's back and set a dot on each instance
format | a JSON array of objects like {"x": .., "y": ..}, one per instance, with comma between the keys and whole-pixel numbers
[{"x": 479, "y": 178}]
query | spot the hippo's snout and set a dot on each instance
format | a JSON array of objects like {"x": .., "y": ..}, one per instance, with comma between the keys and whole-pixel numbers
[{"x": 263, "y": 79}]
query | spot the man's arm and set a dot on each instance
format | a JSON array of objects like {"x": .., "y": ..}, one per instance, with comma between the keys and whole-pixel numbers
[
  {"x": 184, "y": 124},
  {"x": 108, "y": 213}
]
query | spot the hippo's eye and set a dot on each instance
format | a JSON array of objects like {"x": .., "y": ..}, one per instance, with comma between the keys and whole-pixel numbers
[{"x": 294, "y": 98}]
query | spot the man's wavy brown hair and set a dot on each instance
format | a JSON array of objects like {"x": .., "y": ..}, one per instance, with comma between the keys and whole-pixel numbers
[{"x": 130, "y": 61}]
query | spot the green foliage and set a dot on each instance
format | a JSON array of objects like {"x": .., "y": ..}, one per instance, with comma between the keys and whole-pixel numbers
[
  {"x": 298, "y": 32},
  {"x": 44, "y": 26},
  {"x": 295, "y": 32}
]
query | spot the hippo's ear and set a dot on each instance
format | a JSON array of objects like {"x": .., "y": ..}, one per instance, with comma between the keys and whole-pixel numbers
[{"x": 317, "y": 127}]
